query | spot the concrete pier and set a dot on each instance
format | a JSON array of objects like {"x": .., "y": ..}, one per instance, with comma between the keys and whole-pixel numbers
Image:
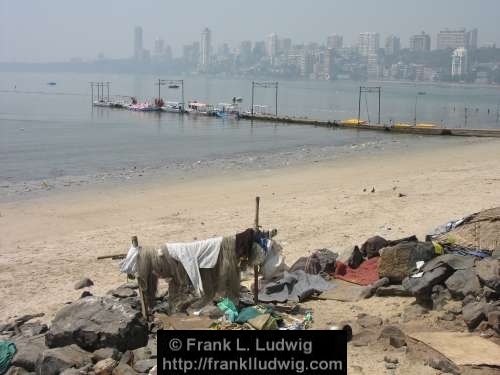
[{"x": 375, "y": 127}]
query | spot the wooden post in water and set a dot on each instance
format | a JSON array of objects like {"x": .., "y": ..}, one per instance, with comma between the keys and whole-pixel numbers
[
  {"x": 276, "y": 103},
  {"x": 92, "y": 93},
  {"x": 144, "y": 305},
  {"x": 253, "y": 91},
  {"x": 256, "y": 268}
]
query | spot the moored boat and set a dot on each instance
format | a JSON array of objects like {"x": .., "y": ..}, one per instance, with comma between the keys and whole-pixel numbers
[{"x": 173, "y": 107}]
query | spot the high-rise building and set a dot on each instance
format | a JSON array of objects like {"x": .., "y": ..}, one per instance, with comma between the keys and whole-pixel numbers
[
  {"x": 369, "y": 44},
  {"x": 420, "y": 42},
  {"x": 335, "y": 41},
  {"x": 168, "y": 55},
  {"x": 373, "y": 67},
  {"x": 205, "y": 48},
  {"x": 245, "y": 52},
  {"x": 460, "y": 63},
  {"x": 392, "y": 45},
  {"x": 471, "y": 39},
  {"x": 259, "y": 50},
  {"x": 284, "y": 45},
  {"x": 451, "y": 39},
  {"x": 138, "y": 49},
  {"x": 191, "y": 53},
  {"x": 329, "y": 64},
  {"x": 159, "y": 46},
  {"x": 272, "y": 45}
]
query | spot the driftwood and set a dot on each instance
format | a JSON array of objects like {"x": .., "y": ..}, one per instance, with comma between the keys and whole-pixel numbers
[{"x": 113, "y": 256}]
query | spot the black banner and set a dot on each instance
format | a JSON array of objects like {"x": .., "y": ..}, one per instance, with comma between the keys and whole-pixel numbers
[{"x": 252, "y": 352}]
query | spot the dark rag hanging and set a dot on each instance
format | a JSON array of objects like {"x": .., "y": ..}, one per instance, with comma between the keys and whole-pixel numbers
[{"x": 244, "y": 243}]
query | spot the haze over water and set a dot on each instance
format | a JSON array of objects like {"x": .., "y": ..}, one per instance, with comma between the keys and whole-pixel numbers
[{"x": 52, "y": 131}]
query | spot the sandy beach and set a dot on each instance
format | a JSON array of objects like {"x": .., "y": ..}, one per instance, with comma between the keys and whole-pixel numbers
[{"x": 49, "y": 243}]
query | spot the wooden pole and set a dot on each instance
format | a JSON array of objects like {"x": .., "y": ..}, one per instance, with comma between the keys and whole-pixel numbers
[
  {"x": 144, "y": 305},
  {"x": 253, "y": 91},
  {"x": 359, "y": 105},
  {"x": 256, "y": 268}
]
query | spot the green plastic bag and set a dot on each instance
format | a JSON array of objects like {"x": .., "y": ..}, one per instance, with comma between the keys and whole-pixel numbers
[
  {"x": 229, "y": 309},
  {"x": 247, "y": 313},
  {"x": 7, "y": 351}
]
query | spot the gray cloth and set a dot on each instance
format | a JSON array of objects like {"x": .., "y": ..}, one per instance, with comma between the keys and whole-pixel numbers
[{"x": 295, "y": 286}]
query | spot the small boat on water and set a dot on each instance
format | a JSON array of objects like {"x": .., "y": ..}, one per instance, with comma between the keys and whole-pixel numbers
[
  {"x": 51, "y": 83},
  {"x": 226, "y": 110},
  {"x": 101, "y": 103},
  {"x": 144, "y": 107},
  {"x": 173, "y": 107},
  {"x": 198, "y": 108},
  {"x": 173, "y": 86},
  {"x": 116, "y": 102}
]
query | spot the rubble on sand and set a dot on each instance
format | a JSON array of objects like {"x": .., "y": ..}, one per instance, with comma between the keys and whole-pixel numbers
[{"x": 451, "y": 273}]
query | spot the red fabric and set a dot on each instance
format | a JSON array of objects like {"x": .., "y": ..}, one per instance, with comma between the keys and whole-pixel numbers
[{"x": 365, "y": 274}]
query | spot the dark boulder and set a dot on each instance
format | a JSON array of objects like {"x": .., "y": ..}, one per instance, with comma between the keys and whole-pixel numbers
[
  {"x": 440, "y": 297},
  {"x": 28, "y": 351},
  {"x": 488, "y": 271},
  {"x": 84, "y": 283},
  {"x": 54, "y": 361},
  {"x": 421, "y": 287},
  {"x": 392, "y": 291},
  {"x": 97, "y": 322},
  {"x": 462, "y": 283},
  {"x": 122, "y": 292},
  {"x": 474, "y": 313}
]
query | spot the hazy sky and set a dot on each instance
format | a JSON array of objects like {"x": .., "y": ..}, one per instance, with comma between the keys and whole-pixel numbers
[{"x": 56, "y": 30}]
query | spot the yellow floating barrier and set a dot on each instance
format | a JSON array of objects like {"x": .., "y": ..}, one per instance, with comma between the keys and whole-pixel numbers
[{"x": 353, "y": 121}]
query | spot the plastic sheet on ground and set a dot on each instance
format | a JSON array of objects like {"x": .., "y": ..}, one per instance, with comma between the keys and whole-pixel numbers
[{"x": 295, "y": 286}]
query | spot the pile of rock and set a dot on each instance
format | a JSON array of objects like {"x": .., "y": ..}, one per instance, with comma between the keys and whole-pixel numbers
[
  {"x": 93, "y": 335},
  {"x": 460, "y": 286}
]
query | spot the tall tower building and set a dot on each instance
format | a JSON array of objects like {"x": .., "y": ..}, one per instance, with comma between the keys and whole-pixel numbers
[
  {"x": 369, "y": 43},
  {"x": 471, "y": 39},
  {"x": 421, "y": 42},
  {"x": 159, "y": 46},
  {"x": 272, "y": 45},
  {"x": 138, "y": 49},
  {"x": 328, "y": 64},
  {"x": 205, "y": 48},
  {"x": 392, "y": 45},
  {"x": 460, "y": 63}
]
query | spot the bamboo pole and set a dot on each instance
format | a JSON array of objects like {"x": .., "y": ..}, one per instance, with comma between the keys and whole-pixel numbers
[{"x": 256, "y": 268}]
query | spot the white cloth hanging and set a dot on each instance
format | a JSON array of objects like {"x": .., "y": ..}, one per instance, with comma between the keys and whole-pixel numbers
[
  {"x": 196, "y": 255},
  {"x": 129, "y": 264}
]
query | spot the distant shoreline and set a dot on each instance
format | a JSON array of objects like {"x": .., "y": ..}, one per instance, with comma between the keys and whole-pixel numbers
[{"x": 92, "y": 68}]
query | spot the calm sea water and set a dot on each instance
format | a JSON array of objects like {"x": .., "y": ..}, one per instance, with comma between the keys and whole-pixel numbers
[{"x": 53, "y": 131}]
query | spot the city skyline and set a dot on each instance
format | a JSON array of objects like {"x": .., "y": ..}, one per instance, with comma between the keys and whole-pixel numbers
[{"x": 59, "y": 31}]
